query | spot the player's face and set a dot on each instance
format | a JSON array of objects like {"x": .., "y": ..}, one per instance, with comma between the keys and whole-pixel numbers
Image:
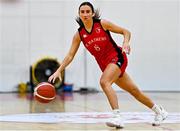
[{"x": 86, "y": 13}]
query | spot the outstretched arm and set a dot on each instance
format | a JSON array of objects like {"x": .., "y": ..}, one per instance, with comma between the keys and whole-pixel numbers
[
  {"x": 117, "y": 29},
  {"x": 67, "y": 60}
]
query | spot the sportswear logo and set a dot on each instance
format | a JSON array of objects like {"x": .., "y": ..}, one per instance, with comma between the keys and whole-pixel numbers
[
  {"x": 84, "y": 36},
  {"x": 98, "y": 30},
  {"x": 119, "y": 63}
]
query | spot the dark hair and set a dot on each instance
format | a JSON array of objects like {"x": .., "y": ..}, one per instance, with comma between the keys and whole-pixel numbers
[{"x": 95, "y": 17}]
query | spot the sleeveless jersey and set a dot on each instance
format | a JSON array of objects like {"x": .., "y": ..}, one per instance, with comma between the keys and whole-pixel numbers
[{"x": 101, "y": 45}]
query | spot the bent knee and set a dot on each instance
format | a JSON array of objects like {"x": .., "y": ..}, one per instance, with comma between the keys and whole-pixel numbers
[{"x": 104, "y": 83}]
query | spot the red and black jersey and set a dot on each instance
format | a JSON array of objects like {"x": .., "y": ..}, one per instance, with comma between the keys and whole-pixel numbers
[{"x": 101, "y": 45}]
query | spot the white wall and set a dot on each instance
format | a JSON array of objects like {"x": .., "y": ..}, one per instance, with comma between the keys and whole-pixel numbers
[{"x": 32, "y": 29}]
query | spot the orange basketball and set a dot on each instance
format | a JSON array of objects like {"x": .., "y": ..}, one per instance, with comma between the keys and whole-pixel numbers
[{"x": 44, "y": 92}]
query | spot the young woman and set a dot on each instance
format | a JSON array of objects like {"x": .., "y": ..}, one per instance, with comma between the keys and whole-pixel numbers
[{"x": 95, "y": 35}]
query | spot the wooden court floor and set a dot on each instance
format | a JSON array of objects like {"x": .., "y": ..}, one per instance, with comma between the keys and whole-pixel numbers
[{"x": 14, "y": 103}]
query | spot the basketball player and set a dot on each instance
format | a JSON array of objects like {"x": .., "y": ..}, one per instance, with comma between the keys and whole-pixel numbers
[{"x": 95, "y": 35}]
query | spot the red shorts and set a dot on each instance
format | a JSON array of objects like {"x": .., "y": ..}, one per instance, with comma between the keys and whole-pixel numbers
[{"x": 119, "y": 59}]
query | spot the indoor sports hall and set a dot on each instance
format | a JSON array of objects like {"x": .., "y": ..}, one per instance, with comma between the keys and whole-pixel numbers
[{"x": 37, "y": 35}]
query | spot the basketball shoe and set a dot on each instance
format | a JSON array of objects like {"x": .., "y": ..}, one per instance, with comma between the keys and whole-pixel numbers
[
  {"x": 116, "y": 120},
  {"x": 160, "y": 116}
]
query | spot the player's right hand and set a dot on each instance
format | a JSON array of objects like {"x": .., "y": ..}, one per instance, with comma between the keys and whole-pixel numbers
[
  {"x": 53, "y": 77},
  {"x": 126, "y": 48}
]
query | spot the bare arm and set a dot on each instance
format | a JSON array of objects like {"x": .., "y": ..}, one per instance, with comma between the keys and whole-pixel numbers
[
  {"x": 117, "y": 29},
  {"x": 73, "y": 49},
  {"x": 67, "y": 60}
]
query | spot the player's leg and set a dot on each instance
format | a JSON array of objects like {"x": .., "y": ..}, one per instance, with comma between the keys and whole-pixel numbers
[
  {"x": 109, "y": 76},
  {"x": 126, "y": 83}
]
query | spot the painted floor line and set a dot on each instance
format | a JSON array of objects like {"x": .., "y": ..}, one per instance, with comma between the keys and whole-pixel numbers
[{"x": 86, "y": 117}]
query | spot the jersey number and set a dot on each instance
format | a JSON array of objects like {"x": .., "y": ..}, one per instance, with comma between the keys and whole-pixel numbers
[{"x": 97, "y": 48}]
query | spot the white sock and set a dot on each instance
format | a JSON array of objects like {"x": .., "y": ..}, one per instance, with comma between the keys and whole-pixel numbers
[
  {"x": 156, "y": 109},
  {"x": 116, "y": 112}
]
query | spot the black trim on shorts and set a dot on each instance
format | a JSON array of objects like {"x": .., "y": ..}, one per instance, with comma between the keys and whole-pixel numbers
[{"x": 118, "y": 50}]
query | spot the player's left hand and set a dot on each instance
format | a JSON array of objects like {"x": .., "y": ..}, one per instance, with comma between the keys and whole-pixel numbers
[{"x": 126, "y": 48}]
